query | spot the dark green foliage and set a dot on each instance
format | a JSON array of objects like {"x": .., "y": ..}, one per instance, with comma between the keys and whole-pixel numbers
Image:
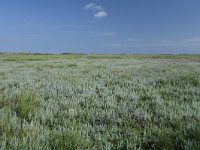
[
  {"x": 25, "y": 102},
  {"x": 67, "y": 140},
  {"x": 72, "y": 65}
]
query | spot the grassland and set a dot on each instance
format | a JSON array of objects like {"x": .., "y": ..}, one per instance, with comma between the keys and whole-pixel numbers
[
  {"x": 106, "y": 102},
  {"x": 41, "y": 57}
]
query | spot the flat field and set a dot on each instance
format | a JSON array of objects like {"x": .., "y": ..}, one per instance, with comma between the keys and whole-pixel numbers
[{"x": 76, "y": 101}]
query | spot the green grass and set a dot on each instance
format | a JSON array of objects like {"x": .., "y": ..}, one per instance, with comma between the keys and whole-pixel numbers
[
  {"x": 41, "y": 57},
  {"x": 36, "y": 57},
  {"x": 25, "y": 103}
]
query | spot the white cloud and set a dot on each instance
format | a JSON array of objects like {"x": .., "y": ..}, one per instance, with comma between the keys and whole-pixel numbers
[
  {"x": 93, "y": 6},
  {"x": 99, "y": 10},
  {"x": 100, "y": 14}
]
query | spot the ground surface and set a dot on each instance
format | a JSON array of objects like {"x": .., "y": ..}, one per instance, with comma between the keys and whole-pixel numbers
[{"x": 99, "y": 101}]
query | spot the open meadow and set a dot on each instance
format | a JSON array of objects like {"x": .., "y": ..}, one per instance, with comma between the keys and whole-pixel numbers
[{"x": 103, "y": 102}]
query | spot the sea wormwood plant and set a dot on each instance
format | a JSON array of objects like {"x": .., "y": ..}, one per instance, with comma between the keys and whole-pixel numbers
[{"x": 106, "y": 104}]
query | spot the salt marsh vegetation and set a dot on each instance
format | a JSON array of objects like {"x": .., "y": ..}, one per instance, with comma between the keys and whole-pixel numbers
[{"x": 96, "y": 102}]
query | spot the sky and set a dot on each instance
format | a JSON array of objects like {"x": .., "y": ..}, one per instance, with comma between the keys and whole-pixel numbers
[{"x": 100, "y": 26}]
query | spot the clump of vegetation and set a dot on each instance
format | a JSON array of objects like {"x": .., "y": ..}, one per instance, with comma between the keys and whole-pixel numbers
[
  {"x": 2, "y": 75},
  {"x": 25, "y": 103},
  {"x": 5, "y": 126},
  {"x": 72, "y": 65},
  {"x": 67, "y": 140}
]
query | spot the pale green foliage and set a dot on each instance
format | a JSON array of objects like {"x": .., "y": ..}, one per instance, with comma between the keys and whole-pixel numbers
[{"x": 50, "y": 102}]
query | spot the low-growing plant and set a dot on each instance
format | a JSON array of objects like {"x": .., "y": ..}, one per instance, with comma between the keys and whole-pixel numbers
[
  {"x": 72, "y": 65},
  {"x": 67, "y": 140}
]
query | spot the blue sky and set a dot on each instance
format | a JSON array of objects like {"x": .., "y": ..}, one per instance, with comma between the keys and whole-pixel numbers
[{"x": 100, "y": 26}]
